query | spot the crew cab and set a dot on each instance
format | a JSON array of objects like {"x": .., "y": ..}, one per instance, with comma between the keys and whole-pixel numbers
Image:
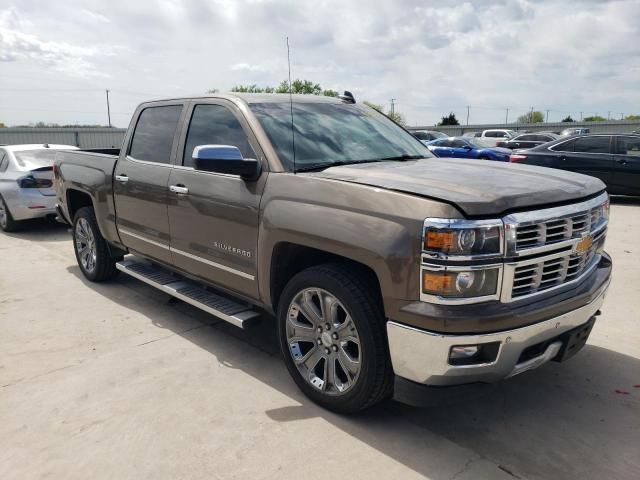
[{"x": 370, "y": 257}]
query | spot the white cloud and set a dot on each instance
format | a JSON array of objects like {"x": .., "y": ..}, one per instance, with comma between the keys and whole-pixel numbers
[{"x": 433, "y": 57}]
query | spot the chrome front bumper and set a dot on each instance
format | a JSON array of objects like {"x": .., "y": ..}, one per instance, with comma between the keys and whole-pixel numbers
[{"x": 423, "y": 357}]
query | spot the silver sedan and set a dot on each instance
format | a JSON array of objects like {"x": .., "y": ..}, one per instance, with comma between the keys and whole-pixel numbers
[{"x": 26, "y": 183}]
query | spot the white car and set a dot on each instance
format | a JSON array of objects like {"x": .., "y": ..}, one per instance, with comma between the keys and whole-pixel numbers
[
  {"x": 496, "y": 135},
  {"x": 26, "y": 183}
]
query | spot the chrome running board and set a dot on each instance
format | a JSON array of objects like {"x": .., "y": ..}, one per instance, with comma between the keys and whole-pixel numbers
[{"x": 239, "y": 314}]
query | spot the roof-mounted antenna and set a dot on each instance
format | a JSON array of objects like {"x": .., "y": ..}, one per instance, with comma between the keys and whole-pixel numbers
[
  {"x": 347, "y": 97},
  {"x": 293, "y": 135}
]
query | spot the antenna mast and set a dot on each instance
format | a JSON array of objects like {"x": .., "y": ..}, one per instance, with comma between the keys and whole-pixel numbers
[{"x": 293, "y": 135}]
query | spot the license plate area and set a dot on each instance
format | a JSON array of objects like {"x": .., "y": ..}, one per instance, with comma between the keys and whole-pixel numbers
[{"x": 574, "y": 340}]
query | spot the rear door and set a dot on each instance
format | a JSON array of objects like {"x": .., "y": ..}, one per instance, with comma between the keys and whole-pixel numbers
[
  {"x": 625, "y": 177},
  {"x": 589, "y": 155},
  {"x": 214, "y": 218},
  {"x": 141, "y": 181}
]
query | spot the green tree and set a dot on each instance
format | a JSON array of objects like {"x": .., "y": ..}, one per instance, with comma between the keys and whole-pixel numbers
[
  {"x": 595, "y": 118},
  {"x": 531, "y": 117},
  {"x": 375, "y": 106},
  {"x": 395, "y": 115},
  {"x": 568, "y": 119},
  {"x": 305, "y": 87},
  {"x": 2, "y": 125},
  {"x": 632, "y": 117},
  {"x": 449, "y": 120},
  {"x": 330, "y": 93}
]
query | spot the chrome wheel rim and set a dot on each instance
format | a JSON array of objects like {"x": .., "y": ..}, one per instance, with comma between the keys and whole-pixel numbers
[
  {"x": 85, "y": 245},
  {"x": 323, "y": 341},
  {"x": 3, "y": 214}
]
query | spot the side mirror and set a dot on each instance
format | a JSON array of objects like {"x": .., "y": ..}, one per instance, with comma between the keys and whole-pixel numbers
[{"x": 225, "y": 159}]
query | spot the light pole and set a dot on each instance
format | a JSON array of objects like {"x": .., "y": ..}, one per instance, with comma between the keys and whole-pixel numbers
[{"x": 108, "y": 108}]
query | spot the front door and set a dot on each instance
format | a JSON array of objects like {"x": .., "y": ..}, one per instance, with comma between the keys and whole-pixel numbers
[
  {"x": 213, "y": 217},
  {"x": 589, "y": 155},
  {"x": 141, "y": 181}
]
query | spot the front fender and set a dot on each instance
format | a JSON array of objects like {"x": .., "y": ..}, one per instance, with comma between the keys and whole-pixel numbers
[{"x": 375, "y": 227}]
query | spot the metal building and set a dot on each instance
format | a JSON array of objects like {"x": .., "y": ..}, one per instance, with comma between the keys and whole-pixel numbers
[{"x": 80, "y": 137}]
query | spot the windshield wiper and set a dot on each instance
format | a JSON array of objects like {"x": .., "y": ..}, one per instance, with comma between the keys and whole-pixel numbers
[
  {"x": 337, "y": 163},
  {"x": 404, "y": 156}
]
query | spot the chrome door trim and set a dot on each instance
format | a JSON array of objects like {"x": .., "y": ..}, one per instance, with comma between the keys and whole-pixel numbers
[
  {"x": 214, "y": 264},
  {"x": 144, "y": 239},
  {"x": 189, "y": 255}
]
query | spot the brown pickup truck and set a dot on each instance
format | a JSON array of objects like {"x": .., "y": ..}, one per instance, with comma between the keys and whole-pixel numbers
[{"x": 370, "y": 257}]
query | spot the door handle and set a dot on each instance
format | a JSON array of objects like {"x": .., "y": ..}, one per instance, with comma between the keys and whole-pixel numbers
[
  {"x": 121, "y": 178},
  {"x": 622, "y": 161},
  {"x": 179, "y": 189},
  {"x": 563, "y": 158}
]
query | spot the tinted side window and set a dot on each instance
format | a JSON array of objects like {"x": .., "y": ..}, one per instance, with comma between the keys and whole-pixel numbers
[
  {"x": 592, "y": 145},
  {"x": 491, "y": 134},
  {"x": 458, "y": 144},
  {"x": 153, "y": 136},
  {"x": 564, "y": 146},
  {"x": 629, "y": 146},
  {"x": 215, "y": 125},
  {"x": 4, "y": 162}
]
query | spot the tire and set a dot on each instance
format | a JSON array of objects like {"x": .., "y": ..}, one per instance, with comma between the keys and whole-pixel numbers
[
  {"x": 7, "y": 223},
  {"x": 361, "y": 375},
  {"x": 91, "y": 249},
  {"x": 483, "y": 157}
]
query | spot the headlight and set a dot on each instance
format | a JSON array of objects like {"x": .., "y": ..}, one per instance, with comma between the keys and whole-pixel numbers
[
  {"x": 463, "y": 238},
  {"x": 461, "y": 282}
]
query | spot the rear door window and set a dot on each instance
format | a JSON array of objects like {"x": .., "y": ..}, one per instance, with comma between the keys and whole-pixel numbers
[
  {"x": 592, "y": 145},
  {"x": 215, "y": 125},
  {"x": 4, "y": 162},
  {"x": 153, "y": 136},
  {"x": 629, "y": 146}
]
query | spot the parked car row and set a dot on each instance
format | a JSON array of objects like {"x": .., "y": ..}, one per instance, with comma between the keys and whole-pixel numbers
[
  {"x": 26, "y": 183},
  {"x": 613, "y": 158},
  {"x": 461, "y": 147}
]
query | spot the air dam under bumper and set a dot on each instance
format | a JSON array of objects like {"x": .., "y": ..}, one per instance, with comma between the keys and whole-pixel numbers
[{"x": 423, "y": 357}]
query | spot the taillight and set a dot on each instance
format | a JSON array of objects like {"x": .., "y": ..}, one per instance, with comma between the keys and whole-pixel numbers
[
  {"x": 29, "y": 181},
  {"x": 514, "y": 158}
]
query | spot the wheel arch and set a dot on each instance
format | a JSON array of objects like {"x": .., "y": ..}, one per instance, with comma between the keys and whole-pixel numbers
[{"x": 290, "y": 258}]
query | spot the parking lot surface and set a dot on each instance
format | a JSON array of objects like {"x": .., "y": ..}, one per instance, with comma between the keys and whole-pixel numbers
[{"x": 117, "y": 381}]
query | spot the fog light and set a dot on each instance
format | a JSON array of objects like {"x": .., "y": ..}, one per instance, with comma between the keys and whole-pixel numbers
[
  {"x": 462, "y": 352},
  {"x": 474, "y": 354}
]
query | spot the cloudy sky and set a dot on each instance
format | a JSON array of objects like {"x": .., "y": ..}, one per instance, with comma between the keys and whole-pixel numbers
[{"x": 567, "y": 56}]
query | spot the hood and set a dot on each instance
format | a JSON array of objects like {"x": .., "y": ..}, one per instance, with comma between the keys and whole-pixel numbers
[{"x": 476, "y": 187}]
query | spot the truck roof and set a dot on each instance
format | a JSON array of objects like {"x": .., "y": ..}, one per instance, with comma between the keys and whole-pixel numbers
[{"x": 259, "y": 98}]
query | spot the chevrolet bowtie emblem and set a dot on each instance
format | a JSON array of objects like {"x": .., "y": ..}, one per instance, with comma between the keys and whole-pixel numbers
[{"x": 584, "y": 245}]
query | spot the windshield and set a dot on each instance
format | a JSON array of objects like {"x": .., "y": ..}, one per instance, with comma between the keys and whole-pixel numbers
[
  {"x": 334, "y": 134},
  {"x": 35, "y": 158}
]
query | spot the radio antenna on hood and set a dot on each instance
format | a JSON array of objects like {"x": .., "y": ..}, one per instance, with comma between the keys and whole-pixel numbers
[{"x": 293, "y": 135}]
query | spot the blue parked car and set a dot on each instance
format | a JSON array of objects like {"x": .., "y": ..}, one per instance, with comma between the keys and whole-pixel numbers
[{"x": 467, "y": 147}]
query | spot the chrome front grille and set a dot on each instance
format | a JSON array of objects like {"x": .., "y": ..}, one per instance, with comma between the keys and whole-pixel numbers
[
  {"x": 543, "y": 233},
  {"x": 547, "y": 273}
]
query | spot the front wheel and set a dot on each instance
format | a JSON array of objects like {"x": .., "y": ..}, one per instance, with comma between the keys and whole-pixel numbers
[
  {"x": 92, "y": 251},
  {"x": 331, "y": 332}
]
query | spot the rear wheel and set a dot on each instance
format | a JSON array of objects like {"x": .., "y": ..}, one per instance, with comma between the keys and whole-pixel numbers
[
  {"x": 331, "y": 332},
  {"x": 7, "y": 223},
  {"x": 92, "y": 251}
]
